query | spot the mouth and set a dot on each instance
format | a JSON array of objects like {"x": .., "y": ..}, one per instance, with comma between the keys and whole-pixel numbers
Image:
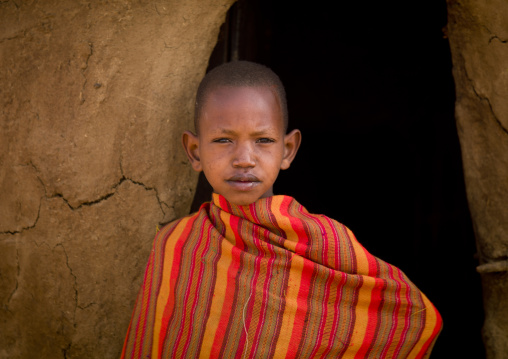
[{"x": 243, "y": 182}]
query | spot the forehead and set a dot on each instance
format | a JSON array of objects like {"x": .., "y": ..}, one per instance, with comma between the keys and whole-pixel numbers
[{"x": 237, "y": 104}]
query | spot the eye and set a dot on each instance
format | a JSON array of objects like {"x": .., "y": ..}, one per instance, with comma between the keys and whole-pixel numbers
[
  {"x": 265, "y": 140},
  {"x": 222, "y": 140}
]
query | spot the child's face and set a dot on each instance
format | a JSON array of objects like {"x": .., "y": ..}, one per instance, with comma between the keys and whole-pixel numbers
[{"x": 241, "y": 144}]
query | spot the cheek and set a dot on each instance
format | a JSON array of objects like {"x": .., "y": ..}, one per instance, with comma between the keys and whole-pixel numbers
[
  {"x": 273, "y": 163},
  {"x": 275, "y": 155},
  {"x": 214, "y": 160}
]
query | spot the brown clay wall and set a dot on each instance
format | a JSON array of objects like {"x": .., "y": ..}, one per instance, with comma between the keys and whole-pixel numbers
[
  {"x": 478, "y": 32},
  {"x": 94, "y": 97}
]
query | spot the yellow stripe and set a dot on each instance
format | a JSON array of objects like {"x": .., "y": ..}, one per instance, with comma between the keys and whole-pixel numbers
[
  {"x": 165, "y": 289},
  {"x": 361, "y": 259},
  {"x": 430, "y": 324},
  {"x": 294, "y": 280},
  {"x": 285, "y": 224},
  {"x": 220, "y": 290},
  {"x": 291, "y": 295},
  {"x": 364, "y": 297}
]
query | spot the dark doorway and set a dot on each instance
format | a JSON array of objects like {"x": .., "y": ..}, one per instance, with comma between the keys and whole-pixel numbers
[{"x": 369, "y": 84}]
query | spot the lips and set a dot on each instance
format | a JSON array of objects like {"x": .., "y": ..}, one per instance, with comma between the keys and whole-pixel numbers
[{"x": 243, "y": 182}]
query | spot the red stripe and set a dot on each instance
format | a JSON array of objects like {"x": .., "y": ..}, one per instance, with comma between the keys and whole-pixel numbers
[
  {"x": 335, "y": 238},
  {"x": 322, "y": 239},
  {"x": 435, "y": 332},
  {"x": 407, "y": 315},
  {"x": 227, "y": 306},
  {"x": 395, "y": 314},
  {"x": 262, "y": 312},
  {"x": 335, "y": 325},
  {"x": 175, "y": 270},
  {"x": 297, "y": 226},
  {"x": 197, "y": 295},
  {"x": 301, "y": 310},
  {"x": 188, "y": 287},
  {"x": 250, "y": 301},
  {"x": 144, "y": 308},
  {"x": 324, "y": 313},
  {"x": 282, "y": 306},
  {"x": 372, "y": 312}
]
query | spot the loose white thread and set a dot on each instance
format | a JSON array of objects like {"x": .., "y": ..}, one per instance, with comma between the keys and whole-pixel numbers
[{"x": 245, "y": 327}]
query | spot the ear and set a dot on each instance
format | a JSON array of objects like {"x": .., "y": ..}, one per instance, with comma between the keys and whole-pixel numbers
[
  {"x": 190, "y": 144},
  {"x": 291, "y": 144}
]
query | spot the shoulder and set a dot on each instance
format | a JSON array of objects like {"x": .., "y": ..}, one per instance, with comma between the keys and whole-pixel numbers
[
  {"x": 323, "y": 220},
  {"x": 333, "y": 231},
  {"x": 170, "y": 227},
  {"x": 172, "y": 233}
]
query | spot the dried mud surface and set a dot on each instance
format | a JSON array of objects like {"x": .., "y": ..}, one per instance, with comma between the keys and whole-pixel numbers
[
  {"x": 478, "y": 33},
  {"x": 94, "y": 98}
]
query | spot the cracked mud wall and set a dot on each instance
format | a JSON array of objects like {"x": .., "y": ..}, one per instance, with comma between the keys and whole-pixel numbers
[
  {"x": 478, "y": 32},
  {"x": 94, "y": 97}
]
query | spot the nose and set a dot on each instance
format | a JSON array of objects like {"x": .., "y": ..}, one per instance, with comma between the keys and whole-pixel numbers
[{"x": 244, "y": 156}]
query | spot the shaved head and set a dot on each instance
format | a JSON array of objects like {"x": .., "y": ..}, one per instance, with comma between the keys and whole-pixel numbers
[{"x": 240, "y": 74}]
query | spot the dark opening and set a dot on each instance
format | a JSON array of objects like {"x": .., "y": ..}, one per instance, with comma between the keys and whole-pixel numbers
[{"x": 370, "y": 86}]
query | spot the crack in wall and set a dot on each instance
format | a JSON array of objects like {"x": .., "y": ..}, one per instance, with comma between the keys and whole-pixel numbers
[
  {"x": 30, "y": 163},
  {"x": 90, "y": 46},
  {"x": 86, "y": 203},
  {"x": 473, "y": 18},
  {"x": 156, "y": 9},
  {"x": 27, "y": 227},
  {"x": 145, "y": 187},
  {"x": 494, "y": 37},
  {"x": 482, "y": 98},
  {"x": 156, "y": 194},
  {"x": 86, "y": 306},
  {"x": 83, "y": 69},
  {"x": 17, "y": 282},
  {"x": 75, "y": 285},
  {"x": 486, "y": 99},
  {"x": 19, "y": 35},
  {"x": 107, "y": 196},
  {"x": 66, "y": 349}
]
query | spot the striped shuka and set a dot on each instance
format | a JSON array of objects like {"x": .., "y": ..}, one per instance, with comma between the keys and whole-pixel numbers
[{"x": 271, "y": 280}]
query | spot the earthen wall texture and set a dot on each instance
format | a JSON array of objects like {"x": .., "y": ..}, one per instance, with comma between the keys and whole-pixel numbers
[
  {"x": 94, "y": 97},
  {"x": 478, "y": 33}
]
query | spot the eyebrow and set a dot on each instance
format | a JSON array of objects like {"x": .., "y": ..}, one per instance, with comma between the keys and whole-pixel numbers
[{"x": 257, "y": 133}]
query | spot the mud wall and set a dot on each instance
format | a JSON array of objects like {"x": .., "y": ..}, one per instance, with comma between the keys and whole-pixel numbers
[
  {"x": 94, "y": 97},
  {"x": 478, "y": 32}
]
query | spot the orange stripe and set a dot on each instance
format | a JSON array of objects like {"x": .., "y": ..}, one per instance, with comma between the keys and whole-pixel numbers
[
  {"x": 166, "y": 300},
  {"x": 294, "y": 280},
  {"x": 372, "y": 319},
  {"x": 298, "y": 323},
  {"x": 233, "y": 269},
  {"x": 285, "y": 224},
  {"x": 291, "y": 307},
  {"x": 140, "y": 325},
  {"x": 220, "y": 293},
  {"x": 351, "y": 315},
  {"x": 433, "y": 323},
  {"x": 362, "y": 262},
  {"x": 165, "y": 289},
  {"x": 364, "y": 298}
]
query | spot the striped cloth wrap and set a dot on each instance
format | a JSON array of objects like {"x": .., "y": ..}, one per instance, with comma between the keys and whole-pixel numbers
[{"x": 271, "y": 280}]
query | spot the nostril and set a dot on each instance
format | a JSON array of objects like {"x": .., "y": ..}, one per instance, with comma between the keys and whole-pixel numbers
[
  {"x": 244, "y": 161},
  {"x": 244, "y": 157}
]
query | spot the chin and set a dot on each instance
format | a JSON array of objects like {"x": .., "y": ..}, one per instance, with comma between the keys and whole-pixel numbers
[{"x": 243, "y": 200}]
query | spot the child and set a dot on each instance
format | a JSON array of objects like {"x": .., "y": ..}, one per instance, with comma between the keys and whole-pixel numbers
[{"x": 253, "y": 275}]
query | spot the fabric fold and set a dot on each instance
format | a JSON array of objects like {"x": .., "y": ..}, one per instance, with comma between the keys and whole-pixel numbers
[{"x": 271, "y": 280}]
